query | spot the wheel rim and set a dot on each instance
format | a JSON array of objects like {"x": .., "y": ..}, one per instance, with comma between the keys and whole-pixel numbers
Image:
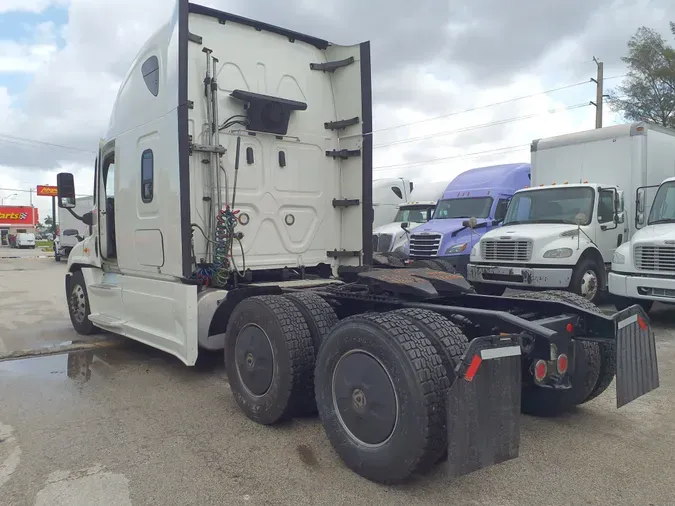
[
  {"x": 255, "y": 359},
  {"x": 589, "y": 284},
  {"x": 78, "y": 303},
  {"x": 364, "y": 398}
]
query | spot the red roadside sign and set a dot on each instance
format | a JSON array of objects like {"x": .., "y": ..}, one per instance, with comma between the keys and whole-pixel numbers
[{"x": 47, "y": 191}]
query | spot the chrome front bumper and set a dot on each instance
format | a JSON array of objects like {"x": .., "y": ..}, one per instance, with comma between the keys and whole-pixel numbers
[{"x": 520, "y": 276}]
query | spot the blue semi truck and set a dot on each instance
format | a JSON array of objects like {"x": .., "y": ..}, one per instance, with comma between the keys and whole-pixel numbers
[{"x": 482, "y": 193}]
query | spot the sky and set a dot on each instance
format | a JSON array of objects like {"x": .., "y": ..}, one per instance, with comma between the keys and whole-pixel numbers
[{"x": 61, "y": 63}]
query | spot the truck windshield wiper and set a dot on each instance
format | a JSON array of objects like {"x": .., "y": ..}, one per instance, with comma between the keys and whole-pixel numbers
[{"x": 663, "y": 220}]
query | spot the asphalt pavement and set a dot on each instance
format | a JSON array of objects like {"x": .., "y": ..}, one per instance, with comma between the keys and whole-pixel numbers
[{"x": 127, "y": 425}]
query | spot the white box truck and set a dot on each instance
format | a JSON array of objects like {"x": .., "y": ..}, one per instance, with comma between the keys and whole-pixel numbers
[
  {"x": 643, "y": 269},
  {"x": 234, "y": 212},
  {"x": 562, "y": 232},
  {"x": 71, "y": 229}
]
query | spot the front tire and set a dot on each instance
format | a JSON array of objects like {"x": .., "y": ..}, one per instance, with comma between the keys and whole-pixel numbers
[
  {"x": 378, "y": 383},
  {"x": 586, "y": 280},
  {"x": 78, "y": 305}
]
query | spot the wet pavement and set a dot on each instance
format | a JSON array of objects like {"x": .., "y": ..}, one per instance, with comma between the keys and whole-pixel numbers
[{"x": 128, "y": 425}]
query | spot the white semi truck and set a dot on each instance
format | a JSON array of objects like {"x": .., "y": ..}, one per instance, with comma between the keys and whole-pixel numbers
[
  {"x": 643, "y": 270},
  {"x": 388, "y": 194},
  {"x": 393, "y": 237},
  {"x": 563, "y": 231},
  {"x": 233, "y": 211}
]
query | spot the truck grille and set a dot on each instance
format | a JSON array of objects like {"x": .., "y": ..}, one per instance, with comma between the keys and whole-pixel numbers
[
  {"x": 655, "y": 258},
  {"x": 506, "y": 251},
  {"x": 382, "y": 242},
  {"x": 422, "y": 246}
]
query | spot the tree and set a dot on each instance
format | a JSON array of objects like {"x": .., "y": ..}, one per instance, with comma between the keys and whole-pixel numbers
[
  {"x": 648, "y": 91},
  {"x": 48, "y": 221}
]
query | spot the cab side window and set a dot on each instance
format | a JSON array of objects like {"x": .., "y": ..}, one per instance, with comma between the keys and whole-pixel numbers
[
  {"x": 606, "y": 206},
  {"x": 147, "y": 175},
  {"x": 500, "y": 210}
]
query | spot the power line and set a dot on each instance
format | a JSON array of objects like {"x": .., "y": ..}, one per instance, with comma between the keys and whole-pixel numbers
[
  {"x": 22, "y": 141},
  {"x": 483, "y": 125},
  {"x": 506, "y": 149},
  {"x": 494, "y": 104}
]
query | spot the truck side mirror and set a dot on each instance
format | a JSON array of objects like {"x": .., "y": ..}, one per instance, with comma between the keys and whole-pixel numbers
[
  {"x": 405, "y": 225},
  {"x": 66, "y": 190},
  {"x": 470, "y": 223}
]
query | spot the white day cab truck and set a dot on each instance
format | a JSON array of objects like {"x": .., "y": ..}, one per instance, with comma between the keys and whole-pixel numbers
[
  {"x": 643, "y": 270},
  {"x": 233, "y": 212},
  {"x": 71, "y": 229},
  {"x": 563, "y": 231}
]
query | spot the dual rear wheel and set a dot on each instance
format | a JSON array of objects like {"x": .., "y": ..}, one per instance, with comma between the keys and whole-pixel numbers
[{"x": 378, "y": 380}]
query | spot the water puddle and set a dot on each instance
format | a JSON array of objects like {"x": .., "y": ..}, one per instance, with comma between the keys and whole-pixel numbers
[{"x": 76, "y": 366}]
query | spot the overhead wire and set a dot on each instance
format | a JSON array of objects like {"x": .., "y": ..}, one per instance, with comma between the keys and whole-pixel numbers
[
  {"x": 479, "y": 126},
  {"x": 23, "y": 141},
  {"x": 443, "y": 158}
]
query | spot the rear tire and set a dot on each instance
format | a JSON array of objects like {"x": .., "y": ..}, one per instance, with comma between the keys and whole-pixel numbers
[
  {"x": 269, "y": 359},
  {"x": 539, "y": 401},
  {"x": 378, "y": 390},
  {"x": 318, "y": 314},
  {"x": 78, "y": 305},
  {"x": 600, "y": 359}
]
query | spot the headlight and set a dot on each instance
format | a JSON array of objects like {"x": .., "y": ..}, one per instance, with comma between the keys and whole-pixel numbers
[
  {"x": 618, "y": 258},
  {"x": 558, "y": 253},
  {"x": 457, "y": 248}
]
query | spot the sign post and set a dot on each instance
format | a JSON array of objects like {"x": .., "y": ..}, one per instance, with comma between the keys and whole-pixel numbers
[{"x": 50, "y": 191}]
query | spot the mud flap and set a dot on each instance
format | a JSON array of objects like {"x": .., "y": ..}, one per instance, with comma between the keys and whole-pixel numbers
[
  {"x": 483, "y": 406},
  {"x": 637, "y": 371}
]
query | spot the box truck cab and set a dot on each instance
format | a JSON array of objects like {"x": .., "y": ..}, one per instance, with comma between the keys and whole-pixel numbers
[
  {"x": 552, "y": 237},
  {"x": 482, "y": 193},
  {"x": 562, "y": 233},
  {"x": 643, "y": 270}
]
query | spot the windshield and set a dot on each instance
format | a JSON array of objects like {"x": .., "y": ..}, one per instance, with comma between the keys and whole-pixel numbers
[
  {"x": 474, "y": 207},
  {"x": 552, "y": 205},
  {"x": 419, "y": 214},
  {"x": 663, "y": 209}
]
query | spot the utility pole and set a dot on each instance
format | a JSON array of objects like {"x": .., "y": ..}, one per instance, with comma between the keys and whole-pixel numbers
[{"x": 599, "y": 95}]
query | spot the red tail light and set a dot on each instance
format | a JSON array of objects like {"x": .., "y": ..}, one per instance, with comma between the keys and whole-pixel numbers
[
  {"x": 540, "y": 370},
  {"x": 562, "y": 364}
]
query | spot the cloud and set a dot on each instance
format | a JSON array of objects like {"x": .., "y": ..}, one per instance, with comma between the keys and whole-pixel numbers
[
  {"x": 435, "y": 59},
  {"x": 32, "y": 6}
]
